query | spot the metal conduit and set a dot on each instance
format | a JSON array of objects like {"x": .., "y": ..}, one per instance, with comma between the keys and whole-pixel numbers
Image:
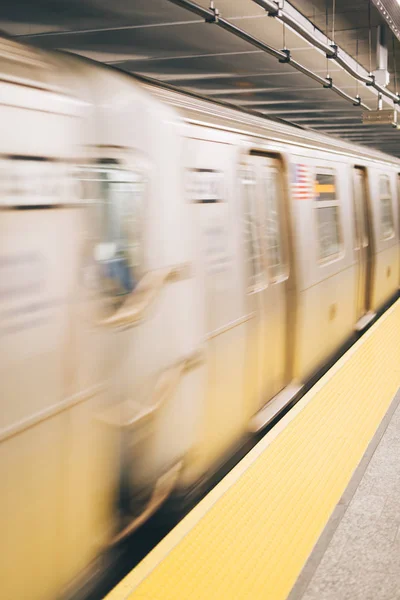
[
  {"x": 211, "y": 16},
  {"x": 331, "y": 50},
  {"x": 325, "y": 83}
]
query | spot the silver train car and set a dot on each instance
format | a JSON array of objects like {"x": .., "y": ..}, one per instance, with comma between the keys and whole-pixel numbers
[{"x": 172, "y": 272}]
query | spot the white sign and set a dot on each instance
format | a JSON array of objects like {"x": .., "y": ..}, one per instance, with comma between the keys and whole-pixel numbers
[
  {"x": 33, "y": 183},
  {"x": 205, "y": 186},
  {"x": 379, "y": 117}
]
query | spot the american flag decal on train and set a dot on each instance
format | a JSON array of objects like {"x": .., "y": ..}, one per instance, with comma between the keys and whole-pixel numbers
[{"x": 302, "y": 186}]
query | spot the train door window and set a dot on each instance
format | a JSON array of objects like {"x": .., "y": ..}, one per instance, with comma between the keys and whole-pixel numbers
[
  {"x": 386, "y": 208},
  {"x": 119, "y": 201},
  {"x": 272, "y": 235},
  {"x": 398, "y": 198},
  {"x": 255, "y": 272},
  {"x": 327, "y": 209}
]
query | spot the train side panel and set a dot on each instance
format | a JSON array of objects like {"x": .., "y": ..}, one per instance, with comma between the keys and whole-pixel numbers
[
  {"x": 323, "y": 220},
  {"x": 122, "y": 379}
]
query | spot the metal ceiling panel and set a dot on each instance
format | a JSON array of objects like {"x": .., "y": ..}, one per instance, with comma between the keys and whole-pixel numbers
[{"x": 161, "y": 40}]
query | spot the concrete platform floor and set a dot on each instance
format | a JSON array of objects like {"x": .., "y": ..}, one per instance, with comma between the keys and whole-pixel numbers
[{"x": 358, "y": 555}]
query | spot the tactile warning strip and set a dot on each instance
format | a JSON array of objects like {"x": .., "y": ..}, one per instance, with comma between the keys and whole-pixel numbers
[{"x": 250, "y": 537}]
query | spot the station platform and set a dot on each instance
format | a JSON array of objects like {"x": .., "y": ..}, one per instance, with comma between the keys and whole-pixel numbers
[{"x": 313, "y": 511}]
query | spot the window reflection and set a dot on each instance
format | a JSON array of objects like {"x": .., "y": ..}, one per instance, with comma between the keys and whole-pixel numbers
[{"x": 119, "y": 199}]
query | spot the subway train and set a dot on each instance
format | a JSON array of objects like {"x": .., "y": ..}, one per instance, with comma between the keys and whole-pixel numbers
[{"x": 173, "y": 272}]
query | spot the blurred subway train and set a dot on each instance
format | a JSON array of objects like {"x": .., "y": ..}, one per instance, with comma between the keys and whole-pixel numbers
[{"x": 173, "y": 271}]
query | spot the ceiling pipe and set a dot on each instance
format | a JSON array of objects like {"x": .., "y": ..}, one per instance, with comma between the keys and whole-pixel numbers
[
  {"x": 329, "y": 48},
  {"x": 212, "y": 15}
]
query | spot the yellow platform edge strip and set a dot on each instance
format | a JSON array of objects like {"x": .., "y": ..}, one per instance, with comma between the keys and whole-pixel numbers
[{"x": 251, "y": 536}]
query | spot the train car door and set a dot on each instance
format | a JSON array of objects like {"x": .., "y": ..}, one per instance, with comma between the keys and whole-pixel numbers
[
  {"x": 268, "y": 293},
  {"x": 398, "y": 205},
  {"x": 221, "y": 319},
  {"x": 398, "y": 198},
  {"x": 362, "y": 247}
]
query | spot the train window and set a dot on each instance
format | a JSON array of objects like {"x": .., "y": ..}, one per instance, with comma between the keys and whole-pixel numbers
[
  {"x": 387, "y": 224},
  {"x": 271, "y": 191},
  {"x": 120, "y": 251},
  {"x": 254, "y": 257},
  {"x": 327, "y": 208},
  {"x": 119, "y": 200}
]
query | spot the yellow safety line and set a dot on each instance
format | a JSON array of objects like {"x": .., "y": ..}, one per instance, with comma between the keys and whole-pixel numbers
[{"x": 250, "y": 537}]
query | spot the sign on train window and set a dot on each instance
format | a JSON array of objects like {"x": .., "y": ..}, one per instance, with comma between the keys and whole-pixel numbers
[
  {"x": 119, "y": 201},
  {"x": 386, "y": 208},
  {"x": 324, "y": 187},
  {"x": 327, "y": 208},
  {"x": 205, "y": 186}
]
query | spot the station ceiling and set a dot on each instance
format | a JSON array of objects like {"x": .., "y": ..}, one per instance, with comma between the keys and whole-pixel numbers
[{"x": 170, "y": 41}]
